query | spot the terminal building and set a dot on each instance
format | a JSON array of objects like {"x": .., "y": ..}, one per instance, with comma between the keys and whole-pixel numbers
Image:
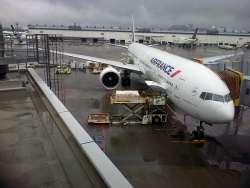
[{"x": 143, "y": 35}]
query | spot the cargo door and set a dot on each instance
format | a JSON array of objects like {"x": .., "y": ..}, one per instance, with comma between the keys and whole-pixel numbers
[{"x": 177, "y": 88}]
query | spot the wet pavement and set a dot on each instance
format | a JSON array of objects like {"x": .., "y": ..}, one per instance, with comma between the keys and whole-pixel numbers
[
  {"x": 33, "y": 151},
  {"x": 27, "y": 158},
  {"x": 147, "y": 155}
]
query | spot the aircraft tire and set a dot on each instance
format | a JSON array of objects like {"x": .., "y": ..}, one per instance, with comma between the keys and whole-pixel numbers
[
  {"x": 123, "y": 82},
  {"x": 128, "y": 82},
  {"x": 202, "y": 135},
  {"x": 194, "y": 135},
  {"x": 156, "y": 119}
]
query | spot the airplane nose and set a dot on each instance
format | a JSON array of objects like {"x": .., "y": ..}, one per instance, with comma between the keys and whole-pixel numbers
[{"x": 224, "y": 114}]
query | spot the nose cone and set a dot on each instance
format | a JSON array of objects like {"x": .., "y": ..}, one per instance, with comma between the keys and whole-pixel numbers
[{"x": 224, "y": 114}]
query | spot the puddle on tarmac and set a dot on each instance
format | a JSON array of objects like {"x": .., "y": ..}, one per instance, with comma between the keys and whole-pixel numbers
[
  {"x": 7, "y": 108},
  {"x": 95, "y": 104},
  {"x": 25, "y": 116}
]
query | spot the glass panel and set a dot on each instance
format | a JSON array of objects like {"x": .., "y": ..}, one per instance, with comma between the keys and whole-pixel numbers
[
  {"x": 203, "y": 94},
  {"x": 209, "y": 96},
  {"x": 218, "y": 98},
  {"x": 228, "y": 97}
]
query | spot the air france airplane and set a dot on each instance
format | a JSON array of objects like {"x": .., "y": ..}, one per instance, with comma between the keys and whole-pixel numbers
[{"x": 192, "y": 87}]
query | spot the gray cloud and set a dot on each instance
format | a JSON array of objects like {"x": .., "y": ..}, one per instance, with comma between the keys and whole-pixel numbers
[{"x": 147, "y": 13}]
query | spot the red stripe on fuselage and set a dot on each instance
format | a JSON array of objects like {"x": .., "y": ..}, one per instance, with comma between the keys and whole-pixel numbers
[{"x": 175, "y": 73}]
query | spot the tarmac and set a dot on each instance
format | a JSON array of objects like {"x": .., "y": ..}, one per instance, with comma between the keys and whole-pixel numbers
[{"x": 33, "y": 154}]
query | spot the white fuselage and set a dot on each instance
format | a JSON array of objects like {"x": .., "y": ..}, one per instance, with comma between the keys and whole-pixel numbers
[
  {"x": 183, "y": 40},
  {"x": 184, "y": 81},
  {"x": 8, "y": 34}
]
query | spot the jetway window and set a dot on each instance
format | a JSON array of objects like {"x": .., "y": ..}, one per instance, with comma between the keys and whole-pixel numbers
[
  {"x": 209, "y": 96},
  {"x": 247, "y": 91},
  {"x": 219, "y": 98}
]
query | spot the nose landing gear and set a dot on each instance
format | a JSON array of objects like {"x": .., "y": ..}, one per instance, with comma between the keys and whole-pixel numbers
[{"x": 199, "y": 134}]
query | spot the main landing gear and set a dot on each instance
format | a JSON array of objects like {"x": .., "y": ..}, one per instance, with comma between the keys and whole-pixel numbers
[{"x": 125, "y": 78}]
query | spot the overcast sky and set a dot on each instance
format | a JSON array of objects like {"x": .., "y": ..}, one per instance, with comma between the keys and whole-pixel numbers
[{"x": 163, "y": 14}]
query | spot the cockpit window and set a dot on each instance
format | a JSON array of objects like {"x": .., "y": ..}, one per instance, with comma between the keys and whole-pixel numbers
[
  {"x": 215, "y": 97},
  {"x": 209, "y": 96},
  {"x": 228, "y": 97},
  {"x": 203, "y": 94},
  {"x": 218, "y": 98}
]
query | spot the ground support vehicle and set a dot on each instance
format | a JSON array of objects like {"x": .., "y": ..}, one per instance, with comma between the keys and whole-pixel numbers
[{"x": 62, "y": 70}]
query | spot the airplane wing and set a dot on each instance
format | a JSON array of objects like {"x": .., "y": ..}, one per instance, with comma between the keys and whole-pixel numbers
[
  {"x": 131, "y": 67},
  {"x": 216, "y": 58}
]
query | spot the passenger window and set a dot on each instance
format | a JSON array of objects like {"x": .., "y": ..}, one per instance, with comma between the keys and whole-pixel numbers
[
  {"x": 203, "y": 94},
  {"x": 228, "y": 97},
  {"x": 209, "y": 96},
  {"x": 218, "y": 98}
]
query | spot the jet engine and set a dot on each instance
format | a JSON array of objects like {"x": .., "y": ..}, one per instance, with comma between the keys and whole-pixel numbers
[{"x": 110, "y": 78}]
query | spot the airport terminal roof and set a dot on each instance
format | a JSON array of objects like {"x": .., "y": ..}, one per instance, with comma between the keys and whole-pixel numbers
[{"x": 186, "y": 30}]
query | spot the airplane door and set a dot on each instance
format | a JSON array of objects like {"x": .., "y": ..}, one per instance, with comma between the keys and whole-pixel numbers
[{"x": 177, "y": 88}]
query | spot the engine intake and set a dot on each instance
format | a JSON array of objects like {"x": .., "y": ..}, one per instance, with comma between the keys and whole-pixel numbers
[{"x": 110, "y": 78}]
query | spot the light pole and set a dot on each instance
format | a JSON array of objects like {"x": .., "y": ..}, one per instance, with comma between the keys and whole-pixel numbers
[{"x": 16, "y": 26}]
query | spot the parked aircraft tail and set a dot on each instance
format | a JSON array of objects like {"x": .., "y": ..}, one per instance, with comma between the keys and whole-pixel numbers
[
  {"x": 13, "y": 30},
  {"x": 17, "y": 35},
  {"x": 195, "y": 32}
]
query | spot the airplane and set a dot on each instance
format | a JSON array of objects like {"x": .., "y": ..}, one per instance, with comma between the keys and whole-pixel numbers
[
  {"x": 8, "y": 34},
  {"x": 187, "y": 42},
  {"x": 192, "y": 87},
  {"x": 20, "y": 36}
]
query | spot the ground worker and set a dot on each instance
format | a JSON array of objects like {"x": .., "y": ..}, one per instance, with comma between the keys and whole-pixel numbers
[
  {"x": 128, "y": 59},
  {"x": 67, "y": 70}
]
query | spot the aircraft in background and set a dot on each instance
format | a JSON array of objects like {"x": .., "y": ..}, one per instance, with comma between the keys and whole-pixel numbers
[
  {"x": 192, "y": 87},
  {"x": 8, "y": 34},
  {"x": 20, "y": 36},
  {"x": 23, "y": 36},
  {"x": 188, "y": 42}
]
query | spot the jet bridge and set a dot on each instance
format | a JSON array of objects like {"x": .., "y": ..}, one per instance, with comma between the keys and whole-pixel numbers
[{"x": 233, "y": 80}]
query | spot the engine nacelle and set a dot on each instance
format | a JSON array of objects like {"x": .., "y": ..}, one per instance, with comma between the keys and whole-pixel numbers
[{"x": 110, "y": 78}]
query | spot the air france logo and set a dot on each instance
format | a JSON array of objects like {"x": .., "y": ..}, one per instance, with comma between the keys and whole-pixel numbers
[{"x": 164, "y": 67}]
